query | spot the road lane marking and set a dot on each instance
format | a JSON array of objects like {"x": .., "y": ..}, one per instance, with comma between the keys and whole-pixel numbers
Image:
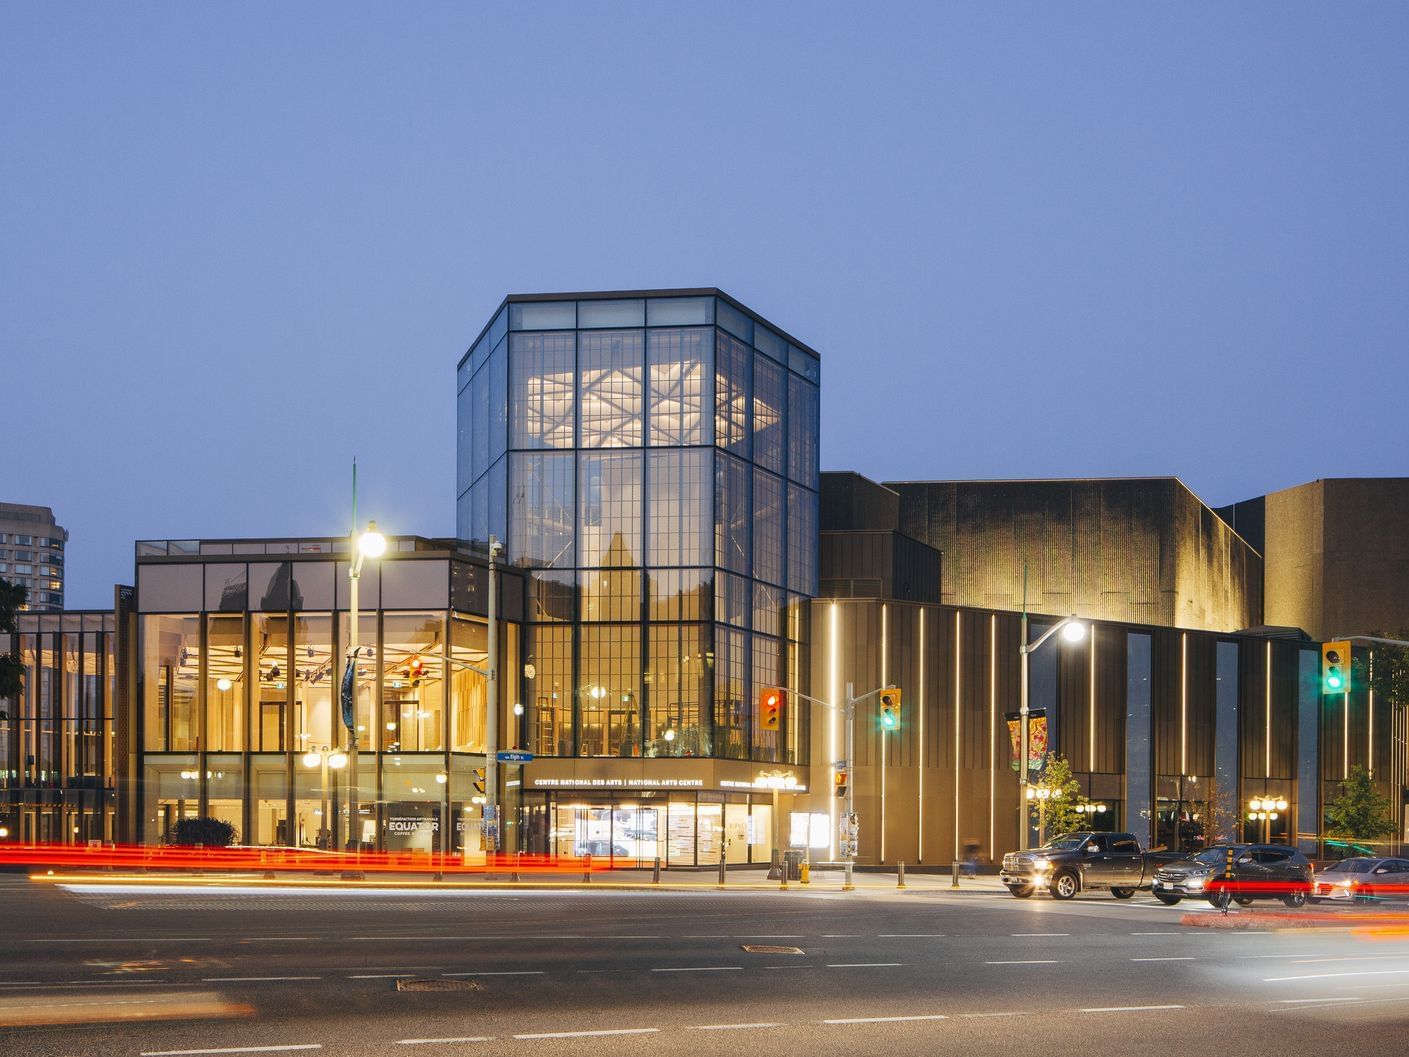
[
  {"x": 1332, "y": 976},
  {"x": 1157, "y": 934},
  {"x": 862, "y": 965},
  {"x": 380, "y": 976},
  {"x": 841, "y": 935},
  {"x": 588, "y": 1034},
  {"x": 1325, "y": 998},
  {"x": 1125, "y": 1009},
  {"x": 732, "y": 1027},
  {"x": 1028, "y": 961},
  {"x": 432, "y": 1042},
  {"x": 909, "y": 935},
  {"x": 1032, "y": 934},
  {"x": 699, "y": 969},
  {"x": 502, "y": 972},
  {"x": 245, "y": 980},
  {"x": 1182, "y": 958},
  {"x": 1014, "y": 1013},
  {"x": 234, "y": 1049},
  {"x": 788, "y": 967},
  {"x": 885, "y": 1020},
  {"x": 771, "y": 936},
  {"x": 133, "y": 939}
]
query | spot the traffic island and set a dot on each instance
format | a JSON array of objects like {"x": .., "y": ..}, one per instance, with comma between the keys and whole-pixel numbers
[{"x": 1369, "y": 919}]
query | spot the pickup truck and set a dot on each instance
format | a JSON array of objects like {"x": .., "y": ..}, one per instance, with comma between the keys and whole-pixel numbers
[{"x": 1075, "y": 862}]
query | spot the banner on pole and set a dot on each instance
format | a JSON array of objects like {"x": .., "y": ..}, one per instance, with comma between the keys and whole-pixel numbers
[{"x": 1036, "y": 739}]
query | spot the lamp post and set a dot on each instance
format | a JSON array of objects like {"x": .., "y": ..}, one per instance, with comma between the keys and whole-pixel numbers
[
  {"x": 1265, "y": 809},
  {"x": 778, "y": 781},
  {"x": 1072, "y": 630},
  {"x": 490, "y": 815},
  {"x": 370, "y": 544}
]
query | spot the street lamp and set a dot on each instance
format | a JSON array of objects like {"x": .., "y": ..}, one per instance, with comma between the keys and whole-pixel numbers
[
  {"x": 1266, "y": 809},
  {"x": 1072, "y": 631},
  {"x": 369, "y": 544}
]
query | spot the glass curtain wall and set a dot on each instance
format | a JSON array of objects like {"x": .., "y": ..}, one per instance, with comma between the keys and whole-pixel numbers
[{"x": 660, "y": 481}]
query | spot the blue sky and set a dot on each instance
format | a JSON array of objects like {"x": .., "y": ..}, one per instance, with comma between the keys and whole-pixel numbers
[{"x": 243, "y": 242}]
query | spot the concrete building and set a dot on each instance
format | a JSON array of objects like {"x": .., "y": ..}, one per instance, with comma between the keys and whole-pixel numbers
[
  {"x": 32, "y": 554},
  {"x": 1335, "y": 555},
  {"x": 1143, "y": 550}
]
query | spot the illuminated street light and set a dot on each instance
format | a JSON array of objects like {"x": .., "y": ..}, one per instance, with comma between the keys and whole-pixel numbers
[{"x": 1072, "y": 631}]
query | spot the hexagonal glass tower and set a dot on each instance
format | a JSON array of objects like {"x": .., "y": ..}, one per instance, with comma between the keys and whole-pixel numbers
[{"x": 651, "y": 458}]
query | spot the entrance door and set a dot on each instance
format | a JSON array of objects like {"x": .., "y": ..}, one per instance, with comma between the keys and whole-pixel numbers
[{"x": 637, "y": 836}]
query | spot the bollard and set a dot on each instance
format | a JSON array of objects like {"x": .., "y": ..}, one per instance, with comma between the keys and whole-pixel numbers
[
  {"x": 721, "y": 867},
  {"x": 804, "y": 873},
  {"x": 954, "y": 874},
  {"x": 783, "y": 874},
  {"x": 587, "y": 869},
  {"x": 900, "y": 874},
  {"x": 846, "y": 885},
  {"x": 518, "y": 856},
  {"x": 655, "y": 872}
]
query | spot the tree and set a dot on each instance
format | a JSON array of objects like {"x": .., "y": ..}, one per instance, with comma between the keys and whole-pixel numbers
[
  {"x": 1384, "y": 668},
  {"x": 12, "y": 597},
  {"x": 1361, "y": 811},
  {"x": 1056, "y": 811},
  {"x": 211, "y": 832}
]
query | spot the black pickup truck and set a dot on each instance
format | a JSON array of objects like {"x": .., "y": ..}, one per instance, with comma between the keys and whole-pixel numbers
[{"x": 1075, "y": 862}]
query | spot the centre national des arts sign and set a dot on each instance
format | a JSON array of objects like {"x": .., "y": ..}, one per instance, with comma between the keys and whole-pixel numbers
[{"x": 653, "y": 775}]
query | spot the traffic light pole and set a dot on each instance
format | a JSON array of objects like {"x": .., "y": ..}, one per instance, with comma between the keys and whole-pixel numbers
[{"x": 848, "y": 715}]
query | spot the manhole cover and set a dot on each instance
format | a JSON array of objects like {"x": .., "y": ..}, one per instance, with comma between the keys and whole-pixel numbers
[
  {"x": 757, "y": 948},
  {"x": 439, "y": 985}
]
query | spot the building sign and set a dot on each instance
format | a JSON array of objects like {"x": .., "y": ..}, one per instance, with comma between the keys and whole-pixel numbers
[
  {"x": 1036, "y": 739},
  {"x": 617, "y": 783}
]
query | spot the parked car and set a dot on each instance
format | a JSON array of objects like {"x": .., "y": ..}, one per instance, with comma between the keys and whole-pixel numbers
[
  {"x": 1363, "y": 878},
  {"x": 1260, "y": 871},
  {"x": 1076, "y": 862}
]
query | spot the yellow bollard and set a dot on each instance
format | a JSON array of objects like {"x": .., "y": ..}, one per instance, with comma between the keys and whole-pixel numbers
[{"x": 804, "y": 872}]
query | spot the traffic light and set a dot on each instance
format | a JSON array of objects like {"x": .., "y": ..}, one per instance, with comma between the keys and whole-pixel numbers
[
  {"x": 415, "y": 669},
  {"x": 1335, "y": 667},
  {"x": 840, "y": 780},
  {"x": 890, "y": 708},
  {"x": 770, "y": 707}
]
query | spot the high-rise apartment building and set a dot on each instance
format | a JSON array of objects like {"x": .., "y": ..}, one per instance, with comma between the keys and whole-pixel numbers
[{"x": 32, "y": 554}]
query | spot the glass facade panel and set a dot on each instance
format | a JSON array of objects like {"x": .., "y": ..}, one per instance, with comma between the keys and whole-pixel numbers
[
  {"x": 542, "y": 391},
  {"x": 680, "y": 594},
  {"x": 365, "y": 683},
  {"x": 731, "y": 694},
  {"x": 551, "y": 689},
  {"x": 679, "y": 364},
  {"x": 469, "y": 645},
  {"x": 269, "y": 660},
  {"x": 770, "y": 393},
  {"x": 678, "y": 508},
  {"x": 543, "y": 315},
  {"x": 734, "y": 321},
  {"x": 679, "y": 311},
  {"x": 541, "y": 509},
  {"x": 313, "y": 684},
  {"x": 479, "y": 400},
  {"x": 171, "y": 651},
  {"x": 611, "y": 370},
  {"x": 802, "y": 540},
  {"x": 418, "y": 584},
  {"x": 733, "y": 599},
  {"x": 803, "y": 424},
  {"x": 678, "y": 682},
  {"x": 609, "y": 690},
  {"x": 733, "y": 382},
  {"x": 610, "y": 594},
  {"x": 767, "y": 657},
  {"x": 225, "y": 683},
  {"x": 733, "y": 484},
  {"x": 593, "y": 314},
  {"x": 610, "y": 528},
  {"x": 413, "y": 687},
  {"x": 767, "y": 522},
  {"x": 168, "y": 588},
  {"x": 226, "y": 588},
  {"x": 498, "y": 401},
  {"x": 552, "y": 596}
]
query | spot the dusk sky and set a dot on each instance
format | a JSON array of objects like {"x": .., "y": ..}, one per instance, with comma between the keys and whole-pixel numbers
[{"x": 243, "y": 243}]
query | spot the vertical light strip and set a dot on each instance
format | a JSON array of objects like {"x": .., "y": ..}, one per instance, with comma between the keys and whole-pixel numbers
[
  {"x": 834, "y": 721},
  {"x": 1370, "y": 739},
  {"x": 1267, "y": 719},
  {"x": 1091, "y": 720},
  {"x": 958, "y": 730},
  {"x": 992, "y": 729},
  {"x": 881, "y": 734},
  {"x": 920, "y": 745},
  {"x": 1183, "y": 705}
]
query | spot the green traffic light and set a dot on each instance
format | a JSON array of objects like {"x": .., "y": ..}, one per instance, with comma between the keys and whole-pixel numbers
[
  {"x": 888, "y": 720},
  {"x": 1334, "y": 680}
]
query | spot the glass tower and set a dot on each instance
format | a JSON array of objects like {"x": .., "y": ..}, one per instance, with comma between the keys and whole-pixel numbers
[{"x": 651, "y": 459}]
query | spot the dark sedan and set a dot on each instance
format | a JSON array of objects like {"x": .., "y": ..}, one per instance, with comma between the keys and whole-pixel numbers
[{"x": 1260, "y": 871}]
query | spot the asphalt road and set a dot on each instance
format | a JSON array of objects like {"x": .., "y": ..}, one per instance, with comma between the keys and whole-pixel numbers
[{"x": 550, "y": 973}]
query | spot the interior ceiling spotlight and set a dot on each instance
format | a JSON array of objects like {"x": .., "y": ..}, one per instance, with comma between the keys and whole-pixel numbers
[{"x": 223, "y": 684}]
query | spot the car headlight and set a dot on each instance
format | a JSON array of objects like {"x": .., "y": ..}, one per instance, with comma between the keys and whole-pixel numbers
[{"x": 1195, "y": 882}]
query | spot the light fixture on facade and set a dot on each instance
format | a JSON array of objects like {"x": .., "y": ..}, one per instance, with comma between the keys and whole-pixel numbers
[
  {"x": 312, "y": 759},
  {"x": 441, "y": 778},
  {"x": 337, "y": 761},
  {"x": 670, "y": 734},
  {"x": 518, "y": 708},
  {"x": 222, "y": 684}
]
